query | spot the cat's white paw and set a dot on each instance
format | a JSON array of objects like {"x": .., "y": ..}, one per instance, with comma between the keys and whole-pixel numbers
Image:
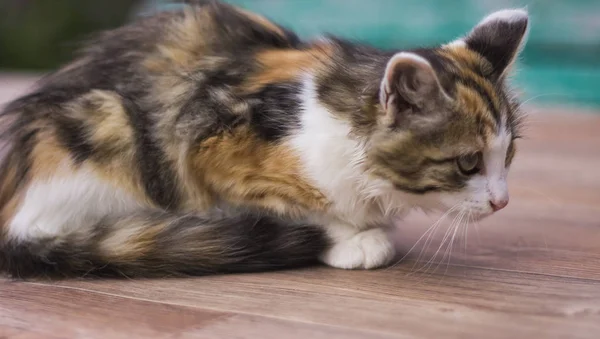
[{"x": 368, "y": 249}]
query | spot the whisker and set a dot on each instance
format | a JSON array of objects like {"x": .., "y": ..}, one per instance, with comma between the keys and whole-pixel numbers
[
  {"x": 542, "y": 95},
  {"x": 430, "y": 238},
  {"x": 456, "y": 229},
  {"x": 450, "y": 240},
  {"x": 465, "y": 261},
  {"x": 429, "y": 233},
  {"x": 476, "y": 224},
  {"x": 430, "y": 262}
]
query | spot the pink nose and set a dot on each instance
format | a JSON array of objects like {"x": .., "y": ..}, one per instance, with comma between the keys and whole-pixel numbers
[{"x": 498, "y": 204}]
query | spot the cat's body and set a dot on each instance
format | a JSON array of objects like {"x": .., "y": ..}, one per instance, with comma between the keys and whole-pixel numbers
[{"x": 212, "y": 140}]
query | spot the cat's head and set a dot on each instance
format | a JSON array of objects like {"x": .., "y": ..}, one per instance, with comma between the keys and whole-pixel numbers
[{"x": 448, "y": 123}]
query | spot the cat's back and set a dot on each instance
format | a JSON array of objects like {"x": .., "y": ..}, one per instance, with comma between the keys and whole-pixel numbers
[
  {"x": 197, "y": 39},
  {"x": 136, "y": 95}
]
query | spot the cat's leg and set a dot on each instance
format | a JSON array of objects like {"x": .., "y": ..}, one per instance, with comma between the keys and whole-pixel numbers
[{"x": 352, "y": 248}]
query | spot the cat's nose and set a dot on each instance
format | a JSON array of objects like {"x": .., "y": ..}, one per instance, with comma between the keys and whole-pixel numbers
[{"x": 498, "y": 204}]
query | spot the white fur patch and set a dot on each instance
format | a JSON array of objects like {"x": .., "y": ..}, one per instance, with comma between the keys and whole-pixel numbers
[
  {"x": 329, "y": 157},
  {"x": 459, "y": 43},
  {"x": 385, "y": 87},
  {"x": 505, "y": 15},
  {"x": 407, "y": 56},
  {"x": 334, "y": 160},
  {"x": 62, "y": 205},
  {"x": 495, "y": 165},
  {"x": 492, "y": 186},
  {"x": 368, "y": 249}
]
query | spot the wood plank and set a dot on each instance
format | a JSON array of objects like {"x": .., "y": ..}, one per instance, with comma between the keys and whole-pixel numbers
[
  {"x": 391, "y": 301},
  {"x": 41, "y": 310},
  {"x": 46, "y": 311},
  {"x": 247, "y": 326}
]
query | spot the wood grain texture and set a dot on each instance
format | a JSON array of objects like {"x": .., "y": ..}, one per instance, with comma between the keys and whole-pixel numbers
[{"x": 532, "y": 271}]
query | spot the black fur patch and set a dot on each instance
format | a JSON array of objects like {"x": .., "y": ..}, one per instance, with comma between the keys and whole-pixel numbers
[
  {"x": 209, "y": 109},
  {"x": 278, "y": 110},
  {"x": 23, "y": 260},
  {"x": 418, "y": 190},
  {"x": 235, "y": 27},
  {"x": 498, "y": 41},
  {"x": 187, "y": 245},
  {"x": 158, "y": 175},
  {"x": 72, "y": 134},
  {"x": 496, "y": 114}
]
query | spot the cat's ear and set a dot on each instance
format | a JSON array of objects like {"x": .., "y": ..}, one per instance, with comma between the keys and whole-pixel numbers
[
  {"x": 410, "y": 88},
  {"x": 499, "y": 38}
]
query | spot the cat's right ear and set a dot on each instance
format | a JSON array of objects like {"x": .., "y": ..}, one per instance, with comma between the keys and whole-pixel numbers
[
  {"x": 410, "y": 89},
  {"x": 499, "y": 38}
]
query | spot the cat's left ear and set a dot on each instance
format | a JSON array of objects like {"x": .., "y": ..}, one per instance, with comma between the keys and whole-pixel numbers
[
  {"x": 410, "y": 90},
  {"x": 499, "y": 38}
]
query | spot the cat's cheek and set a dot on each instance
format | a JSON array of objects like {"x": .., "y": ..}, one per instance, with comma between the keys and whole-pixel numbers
[
  {"x": 477, "y": 197},
  {"x": 451, "y": 202},
  {"x": 473, "y": 199}
]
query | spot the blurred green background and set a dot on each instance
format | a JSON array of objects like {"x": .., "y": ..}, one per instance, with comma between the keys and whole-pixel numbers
[{"x": 561, "y": 64}]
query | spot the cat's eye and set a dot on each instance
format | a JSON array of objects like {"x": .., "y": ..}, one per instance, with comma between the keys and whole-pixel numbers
[{"x": 470, "y": 164}]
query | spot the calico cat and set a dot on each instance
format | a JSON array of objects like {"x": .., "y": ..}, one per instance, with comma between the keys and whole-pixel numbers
[{"x": 213, "y": 140}]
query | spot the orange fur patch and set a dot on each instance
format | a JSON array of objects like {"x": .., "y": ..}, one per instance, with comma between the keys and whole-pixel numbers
[
  {"x": 244, "y": 169},
  {"x": 470, "y": 101},
  {"x": 286, "y": 65},
  {"x": 470, "y": 65},
  {"x": 103, "y": 113},
  {"x": 47, "y": 157},
  {"x": 10, "y": 196},
  {"x": 130, "y": 239},
  {"x": 467, "y": 58},
  {"x": 183, "y": 44}
]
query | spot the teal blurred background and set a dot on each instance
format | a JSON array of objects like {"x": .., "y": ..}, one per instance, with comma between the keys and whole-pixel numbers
[{"x": 560, "y": 65}]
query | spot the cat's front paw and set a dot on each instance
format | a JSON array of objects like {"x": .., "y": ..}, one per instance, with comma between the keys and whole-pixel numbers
[{"x": 368, "y": 249}]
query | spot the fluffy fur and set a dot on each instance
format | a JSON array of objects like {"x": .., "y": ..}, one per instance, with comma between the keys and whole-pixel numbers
[{"x": 213, "y": 140}]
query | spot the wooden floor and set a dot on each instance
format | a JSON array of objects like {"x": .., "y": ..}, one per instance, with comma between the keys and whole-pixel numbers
[{"x": 532, "y": 271}]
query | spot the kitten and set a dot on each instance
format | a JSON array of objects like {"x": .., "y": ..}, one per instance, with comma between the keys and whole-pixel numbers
[{"x": 213, "y": 140}]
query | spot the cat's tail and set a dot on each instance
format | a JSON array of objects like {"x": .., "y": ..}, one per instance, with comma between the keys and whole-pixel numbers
[{"x": 159, "y": 244}]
